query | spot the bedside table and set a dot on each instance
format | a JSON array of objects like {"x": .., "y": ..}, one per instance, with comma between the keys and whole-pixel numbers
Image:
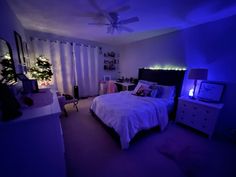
[{"x": 198, "y": 114}]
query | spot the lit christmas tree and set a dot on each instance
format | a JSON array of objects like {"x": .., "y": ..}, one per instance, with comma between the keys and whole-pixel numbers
[
  {"x": 42, "y": 70},
  {"x": 7, "y": 71}
]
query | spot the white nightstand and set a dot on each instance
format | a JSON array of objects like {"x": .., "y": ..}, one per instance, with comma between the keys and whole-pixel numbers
[{"x": 198, "y": 114}]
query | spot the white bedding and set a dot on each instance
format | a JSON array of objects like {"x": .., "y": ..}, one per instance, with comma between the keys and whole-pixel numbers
[{"x": 127, "y": 114}]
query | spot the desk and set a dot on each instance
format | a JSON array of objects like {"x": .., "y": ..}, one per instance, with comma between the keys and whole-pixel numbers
[{"x": 125, "y": 85}]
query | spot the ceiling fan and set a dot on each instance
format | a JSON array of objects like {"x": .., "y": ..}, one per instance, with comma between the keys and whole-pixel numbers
[{"x": 114, "y": 23}]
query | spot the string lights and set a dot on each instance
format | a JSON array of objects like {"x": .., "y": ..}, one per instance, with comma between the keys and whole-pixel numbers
[{"x": 166, "y": 67}]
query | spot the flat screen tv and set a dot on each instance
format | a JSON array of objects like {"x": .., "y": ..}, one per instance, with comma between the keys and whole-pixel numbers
[{"x": 211, "y": 91}]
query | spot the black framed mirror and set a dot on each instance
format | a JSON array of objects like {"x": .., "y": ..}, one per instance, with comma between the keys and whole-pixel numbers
[
  {"x": 7, "y": 67},
  {"x": 19, "y": 46}
]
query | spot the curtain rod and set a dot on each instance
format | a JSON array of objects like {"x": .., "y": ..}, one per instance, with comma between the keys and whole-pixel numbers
[{"x": 64, "y": 42}]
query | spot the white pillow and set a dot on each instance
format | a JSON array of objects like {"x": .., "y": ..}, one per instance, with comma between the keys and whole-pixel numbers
[
  {"x": 147, "y": 82},
  {"x": 167, "y": 92},
  {"x": 155, "y": 91}
]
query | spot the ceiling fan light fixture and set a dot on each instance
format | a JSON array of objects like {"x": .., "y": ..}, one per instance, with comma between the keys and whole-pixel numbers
[{"x": 114, "y": 23}]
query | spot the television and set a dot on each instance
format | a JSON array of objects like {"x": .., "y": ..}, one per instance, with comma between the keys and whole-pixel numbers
[{"x": 211, "y": 91}]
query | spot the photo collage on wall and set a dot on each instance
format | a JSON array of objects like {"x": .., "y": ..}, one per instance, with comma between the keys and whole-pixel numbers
[{"x": 110, "y": 61}]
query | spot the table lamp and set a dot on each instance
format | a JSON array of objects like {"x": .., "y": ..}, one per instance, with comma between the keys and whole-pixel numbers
[{"x": 197, "y": 74}]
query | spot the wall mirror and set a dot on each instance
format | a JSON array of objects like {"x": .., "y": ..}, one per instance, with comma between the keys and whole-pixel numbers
[
  {"x": 7, "y": 68},
  {"x": 19, "y": 46}
]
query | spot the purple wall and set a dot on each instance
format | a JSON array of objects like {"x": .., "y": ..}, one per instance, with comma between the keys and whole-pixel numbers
[
  {"x": 211, "y": 45},
  {"x": 9, "y": 24},
  {"x": 164, "y": 50}
]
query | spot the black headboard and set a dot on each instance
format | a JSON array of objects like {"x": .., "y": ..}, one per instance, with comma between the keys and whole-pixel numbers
[{"x": 165, "y": 77}]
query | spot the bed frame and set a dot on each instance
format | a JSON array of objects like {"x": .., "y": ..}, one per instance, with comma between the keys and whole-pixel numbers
[{"x": 165, "y": 77}]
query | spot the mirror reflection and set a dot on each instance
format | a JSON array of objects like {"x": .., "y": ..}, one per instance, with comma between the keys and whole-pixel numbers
[{"x": 7, "y": 69}]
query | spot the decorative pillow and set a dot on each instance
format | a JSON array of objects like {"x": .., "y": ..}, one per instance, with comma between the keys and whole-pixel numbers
[
  {"x": 138, "y": 86},
  {"x": 141, "y": 89},
  {"x": 143, "y": 82},
  {"x": 167, "y": 92}
]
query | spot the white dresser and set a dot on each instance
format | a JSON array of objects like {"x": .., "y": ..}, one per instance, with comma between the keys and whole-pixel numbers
[
  {"x": 32, "y": 145},
  {"x": 198, "y": 114}
]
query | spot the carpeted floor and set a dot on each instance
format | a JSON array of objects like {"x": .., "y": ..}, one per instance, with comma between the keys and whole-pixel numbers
[{"x": 92, "y": 151}]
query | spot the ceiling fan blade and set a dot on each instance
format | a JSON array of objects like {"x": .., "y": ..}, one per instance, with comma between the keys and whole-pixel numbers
[
  {"x": 98, "y": 24},
  {"x": 124, "y": 28},
  {"x": 100, "y": 10},
  {"x": 95, "y": 5},
  {"x": 129, "y": 20},
  {"x": 88, "y": 14}
]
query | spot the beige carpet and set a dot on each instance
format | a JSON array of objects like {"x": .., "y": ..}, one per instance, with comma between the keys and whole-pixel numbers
[{"x": 92, "y": 151}]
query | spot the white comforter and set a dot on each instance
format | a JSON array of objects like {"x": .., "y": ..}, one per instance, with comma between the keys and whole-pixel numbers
[{"x": 127, "y": 114}]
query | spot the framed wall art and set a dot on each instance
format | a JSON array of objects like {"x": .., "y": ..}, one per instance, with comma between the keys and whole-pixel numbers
[
  {"x": 107, "y": 77},
  {"x": 211, "y": 91}
]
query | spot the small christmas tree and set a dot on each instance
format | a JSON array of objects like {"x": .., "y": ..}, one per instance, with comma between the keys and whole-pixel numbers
[
  {"x": 42, "y": 70},
  {"x": 7, "y": 71}
]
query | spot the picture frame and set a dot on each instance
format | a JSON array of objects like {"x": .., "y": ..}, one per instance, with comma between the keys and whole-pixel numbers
[
  {"x": 211, "y": 91},
  {"x": 20, "y": 48},
  {"x": 107, "y": 77}
]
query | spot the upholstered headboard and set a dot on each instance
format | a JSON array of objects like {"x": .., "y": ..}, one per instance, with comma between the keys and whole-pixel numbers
[{"x": 165, "y": 77}]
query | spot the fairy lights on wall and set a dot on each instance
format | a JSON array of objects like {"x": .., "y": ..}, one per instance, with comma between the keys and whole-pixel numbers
[{"x": 166, "y": 67}]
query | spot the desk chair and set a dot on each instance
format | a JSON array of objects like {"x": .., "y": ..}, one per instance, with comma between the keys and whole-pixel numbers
[
  {"x": 111, "y": 87},
  {"x": 65, "y": 99}
]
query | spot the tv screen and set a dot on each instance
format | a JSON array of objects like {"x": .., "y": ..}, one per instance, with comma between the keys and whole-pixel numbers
[{"x": 211, "y": 91}]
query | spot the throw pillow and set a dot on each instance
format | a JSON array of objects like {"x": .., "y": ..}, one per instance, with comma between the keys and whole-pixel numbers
[
  {"x": 155, "y": 91},
  {"x": 167, "y": 92},
  {"x": 143, "y": 91},
  {"x": 138, "y": 87}
]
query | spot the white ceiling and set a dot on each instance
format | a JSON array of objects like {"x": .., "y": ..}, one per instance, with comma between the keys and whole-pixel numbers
[{"x": 70, "y": 18}]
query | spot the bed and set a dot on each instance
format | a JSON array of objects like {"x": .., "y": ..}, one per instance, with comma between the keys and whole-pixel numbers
[{"x": 128, "y": 114}]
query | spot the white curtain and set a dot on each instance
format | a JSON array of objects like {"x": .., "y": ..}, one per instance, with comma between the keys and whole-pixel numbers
[{"x": 73, "y": 64}]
